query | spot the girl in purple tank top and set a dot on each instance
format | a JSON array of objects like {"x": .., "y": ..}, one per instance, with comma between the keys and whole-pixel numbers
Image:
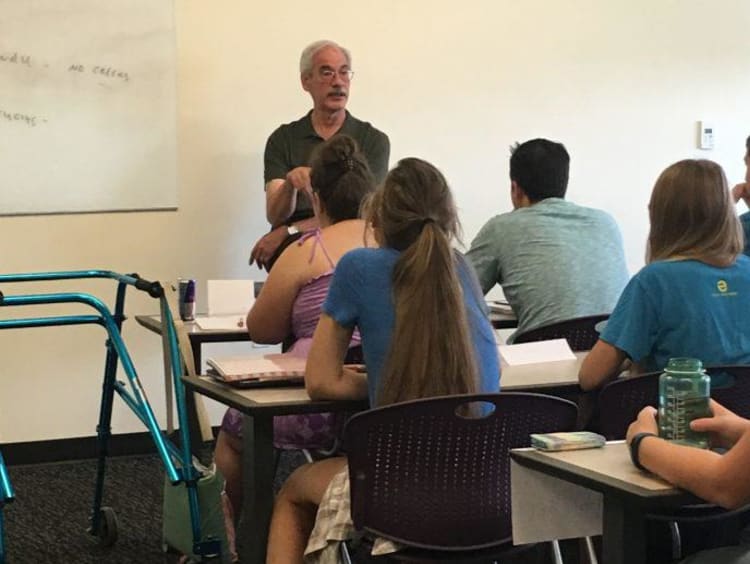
[{"x": 290, "y": 303}]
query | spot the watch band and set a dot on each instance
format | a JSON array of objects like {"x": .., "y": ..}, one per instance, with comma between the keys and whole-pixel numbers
[{"x": 635, "y": 444}]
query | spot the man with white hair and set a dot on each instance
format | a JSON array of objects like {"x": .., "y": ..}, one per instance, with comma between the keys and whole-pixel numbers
[{"x": 325, "y": 73}]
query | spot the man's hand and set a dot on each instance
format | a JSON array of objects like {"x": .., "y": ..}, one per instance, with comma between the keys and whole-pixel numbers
[
  {"x": 742, "y": 192},
  {"x": 299, "y": 179},
  {"x": 266, "y": 246},
  {"x": 725, "y": 427},
  {"x": 646, "y": 423}
]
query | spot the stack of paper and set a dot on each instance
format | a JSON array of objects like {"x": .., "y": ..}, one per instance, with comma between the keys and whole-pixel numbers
[
  {"x": 533, "y": 353},
  {"x": 228, "y": 304},
  {"x": 499, "y": 306}
]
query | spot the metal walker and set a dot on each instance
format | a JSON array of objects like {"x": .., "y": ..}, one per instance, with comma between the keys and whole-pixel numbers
[{"x": 177, "y": 460}]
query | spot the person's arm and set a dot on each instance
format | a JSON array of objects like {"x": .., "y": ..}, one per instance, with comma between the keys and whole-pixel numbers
[
  {"x": 721, "y": 479},
  {"x": 281, "y": 194},
  {"x": 483, "y": 257},
  {"x": 742, "y": 192},
  {"x": 603, "y": 363},
  {"x": 269, "y": 321},
  {"x": 326, "y": 377}
]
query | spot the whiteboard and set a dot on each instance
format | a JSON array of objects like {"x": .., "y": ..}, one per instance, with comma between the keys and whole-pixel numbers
[{"x": 87, "y": 106}]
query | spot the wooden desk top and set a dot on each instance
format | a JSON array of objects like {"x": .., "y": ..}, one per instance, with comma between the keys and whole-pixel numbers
[
  {"x": 607, "y": 469},
  {"x": 287, "y": 400},
  {"x": 195, "y": 333},
  {"x": 268, "y": 401}
]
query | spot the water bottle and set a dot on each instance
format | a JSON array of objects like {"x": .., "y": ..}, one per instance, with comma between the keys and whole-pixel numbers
[{"x": 684, "y": 391}]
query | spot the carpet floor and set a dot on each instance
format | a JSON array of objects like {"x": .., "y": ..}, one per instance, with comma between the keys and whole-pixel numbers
[{"x": 47, "y": 521}]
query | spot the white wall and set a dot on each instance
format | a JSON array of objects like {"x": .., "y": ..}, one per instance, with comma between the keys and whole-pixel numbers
[{"x": 621, "y": 83}]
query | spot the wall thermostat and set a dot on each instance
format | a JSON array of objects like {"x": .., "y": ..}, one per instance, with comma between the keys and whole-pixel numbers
[{"x": 706, "y": 135}]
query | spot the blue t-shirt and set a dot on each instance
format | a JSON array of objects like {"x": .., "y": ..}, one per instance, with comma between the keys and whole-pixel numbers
[
  {"x": 361, "y": 295},
  {"x": 684, "y": 308}
]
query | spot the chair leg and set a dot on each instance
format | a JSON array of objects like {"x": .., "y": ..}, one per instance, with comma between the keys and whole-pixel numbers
[
  {"x": 590, "y": 552},
  {"x": 556, "y": 552},
  {"x": 344, "y": 553},
  {"x": 674, "y": 529}
]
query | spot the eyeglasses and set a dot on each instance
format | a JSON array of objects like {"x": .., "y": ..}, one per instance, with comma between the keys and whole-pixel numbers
[{"x": 327, "y": 74}]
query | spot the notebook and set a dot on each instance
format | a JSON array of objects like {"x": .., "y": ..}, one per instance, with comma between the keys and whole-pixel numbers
[{"x": 258, "y": 371}]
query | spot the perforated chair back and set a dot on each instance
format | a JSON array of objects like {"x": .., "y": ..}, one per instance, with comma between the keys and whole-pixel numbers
[
  {"x": 579, "y": 332},
  {"x": 427, "y": 477},
  {"x": 621, "y": 400},
  {"x": 730, "y": 386}
]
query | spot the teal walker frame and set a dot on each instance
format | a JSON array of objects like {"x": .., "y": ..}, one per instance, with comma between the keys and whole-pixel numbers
[{"x": 177, "y": 461}]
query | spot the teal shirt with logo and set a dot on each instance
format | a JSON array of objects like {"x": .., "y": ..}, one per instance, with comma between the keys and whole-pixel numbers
[{"x": 684, "y": 308}]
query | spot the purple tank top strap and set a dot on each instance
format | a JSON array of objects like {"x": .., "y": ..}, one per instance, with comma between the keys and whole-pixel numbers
[{"x": 318, "y": 242}]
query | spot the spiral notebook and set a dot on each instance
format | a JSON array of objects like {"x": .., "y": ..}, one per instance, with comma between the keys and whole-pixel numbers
[{"x": 258, "y": 371}]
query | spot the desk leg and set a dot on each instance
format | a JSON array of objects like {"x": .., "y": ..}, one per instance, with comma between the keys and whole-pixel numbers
[
  {"x": 203, "y": 451},
  {"x": 624, "y": 531},
  {"x": 257, "y": 477}
]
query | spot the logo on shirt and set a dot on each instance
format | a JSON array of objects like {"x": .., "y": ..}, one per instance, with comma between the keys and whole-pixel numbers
[{"x": 723, "y": 289}]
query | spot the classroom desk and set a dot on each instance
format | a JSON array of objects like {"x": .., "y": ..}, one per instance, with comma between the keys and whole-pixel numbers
[
  {"x": 261, "y": 405},
  {"x": 197, "y": 335},
  {"x": 607, "y": 490}
]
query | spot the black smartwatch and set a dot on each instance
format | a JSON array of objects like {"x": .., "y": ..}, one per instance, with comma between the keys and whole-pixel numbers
[{"x": 635, "y": 444}]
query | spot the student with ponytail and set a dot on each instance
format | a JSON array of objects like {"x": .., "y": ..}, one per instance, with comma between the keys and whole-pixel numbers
[{"x": 423, "y": 325}]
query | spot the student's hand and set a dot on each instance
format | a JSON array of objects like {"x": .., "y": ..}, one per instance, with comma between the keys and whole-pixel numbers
[
  {"x": 645, "y": 423},
  {"x": 725, "y": 427},
  {"x": 299, "y": 179},
  {"x": 742, "y": 192},
  {"x": 266, "y": 246}
]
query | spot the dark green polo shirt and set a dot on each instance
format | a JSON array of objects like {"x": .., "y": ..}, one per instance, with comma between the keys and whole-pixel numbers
[{"x": 292, "y": 144}]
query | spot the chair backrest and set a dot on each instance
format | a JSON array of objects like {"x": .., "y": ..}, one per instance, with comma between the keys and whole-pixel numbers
[
  {"x": 579, "y": 332},
  {"x": 730, "y": 386},
  {"x": 621, "y": 400},
  {"x": 426, "y": 476}
]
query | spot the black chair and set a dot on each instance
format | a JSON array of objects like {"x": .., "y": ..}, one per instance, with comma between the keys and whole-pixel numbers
[
  {"x": 619, "y": 404},
  {"x": 579, "y": 332},
  {"x": 621, "y": 400},
  {"x": 437, "y": 480}
]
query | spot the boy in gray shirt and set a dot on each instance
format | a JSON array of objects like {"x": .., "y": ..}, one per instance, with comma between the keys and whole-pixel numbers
[{"x": 554, "y": 259}]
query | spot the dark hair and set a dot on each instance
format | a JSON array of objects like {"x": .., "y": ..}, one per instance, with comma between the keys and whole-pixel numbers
[
  {"x": 341, "y": 177},
  {"x": 431, "y": 352},
  {"x": 540, "y": 168},
  {"x": 747, "y": 144}
]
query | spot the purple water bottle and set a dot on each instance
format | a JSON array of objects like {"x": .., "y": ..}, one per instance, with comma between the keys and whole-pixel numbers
[{"x": 186, "y": 297}]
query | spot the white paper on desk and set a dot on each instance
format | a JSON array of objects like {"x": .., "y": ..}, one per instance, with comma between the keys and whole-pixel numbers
[
  {"x": 221, "y": 323},
  {"x": 496, "y": 306},
  {"x": 229, "y": 297},
  {"x": 536, "y": 352}
]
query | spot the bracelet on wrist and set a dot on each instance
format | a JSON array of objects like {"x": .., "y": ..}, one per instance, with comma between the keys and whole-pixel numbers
[{"x": 635, "y": 445}]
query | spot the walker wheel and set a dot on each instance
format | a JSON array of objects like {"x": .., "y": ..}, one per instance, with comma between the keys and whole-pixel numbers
[{"x": 107, "y": 533}]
